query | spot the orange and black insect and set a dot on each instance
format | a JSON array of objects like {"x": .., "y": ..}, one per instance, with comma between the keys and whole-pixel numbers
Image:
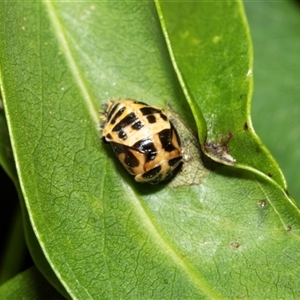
[{"x": 143, "y": 138}]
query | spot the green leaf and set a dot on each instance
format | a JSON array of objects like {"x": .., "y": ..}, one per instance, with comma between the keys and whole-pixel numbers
[
  {"x": 275, "y": 31},
  {"x": 214, "y": 231},
  {"x": 39, "y": 258},
  {"x": 15, "y": 247},
  {"x": 216, "y": 63},
  {"x": 6, "y": 155},
  {"x": 28, "y": 285}
]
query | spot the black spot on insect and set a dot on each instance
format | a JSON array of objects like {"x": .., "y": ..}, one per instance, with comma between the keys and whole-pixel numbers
[
  {"x": 147, "y": 147},
  {"x": 108, "y": 136},
  {"x": 174, "y": 161},
  {"x": 246, "y": 126},
  {"x": 118, "y": 148},
  {"x": 137, "y": 125},
  {"x": 165, "y": 139},
  {"x": 129, "y": 119},
  {"x": 148, "y": 110},
  {"x": 157, "y": 179},
  {"x": 122, "y": 135},
  {"x": 130, "y": 160},
  {"x": 164, "y": 117},
  {"x": 152, "y": 173},
  {"x": 111, "y": 111},
  {"x": 151, "y": 119},
  {"x": 118, "y": 114}
]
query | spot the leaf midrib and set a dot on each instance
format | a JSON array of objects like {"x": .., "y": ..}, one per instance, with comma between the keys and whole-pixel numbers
[
  {"x": 168, "y": 248},
  {"x": 153, "y": 229},
  {"x": 74, "y": 69}
]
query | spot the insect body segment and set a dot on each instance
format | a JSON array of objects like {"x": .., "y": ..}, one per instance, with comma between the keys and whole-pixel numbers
[{"x": 144, "y": 140}]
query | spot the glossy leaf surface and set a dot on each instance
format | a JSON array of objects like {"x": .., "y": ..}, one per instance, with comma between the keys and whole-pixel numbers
[{"x": 214, "y": 231}]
